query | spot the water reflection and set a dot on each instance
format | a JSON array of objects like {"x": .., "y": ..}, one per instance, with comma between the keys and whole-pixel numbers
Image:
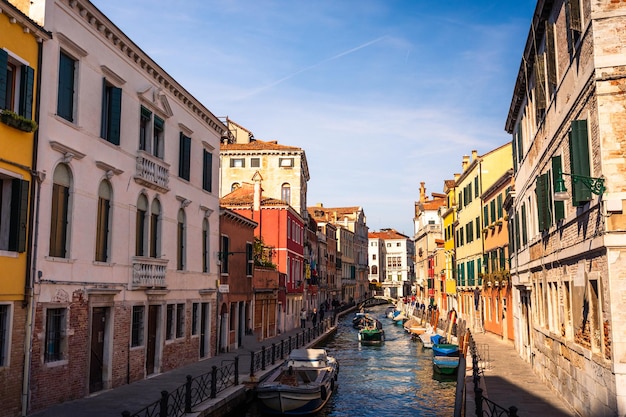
[{"x": 393, "y": 379}]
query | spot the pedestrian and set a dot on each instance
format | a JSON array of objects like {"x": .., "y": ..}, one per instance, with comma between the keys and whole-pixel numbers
[
  {"x": 302, "y": 318},
  {"x": 322, "y": 313},
  {"x": 314, "y": 317}
]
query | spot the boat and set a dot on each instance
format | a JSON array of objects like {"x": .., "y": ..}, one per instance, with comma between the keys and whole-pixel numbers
[
  {"x": 445, "y": 349},
  {"x": 399, "y": 317},
  {"x": 429, "y": 337},
  {"x": 445, "y": 365},
  {"x": 302, "y": 385},
  {"x": 360, "y": 320},
  {"x": 372, "y": 332},
  {"x": 390, "y": 311}
]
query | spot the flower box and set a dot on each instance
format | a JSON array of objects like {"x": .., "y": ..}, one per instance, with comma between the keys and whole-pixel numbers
[{"x": 16, "y": 121}]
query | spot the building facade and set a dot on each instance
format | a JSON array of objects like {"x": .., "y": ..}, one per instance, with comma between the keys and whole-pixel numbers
[{"x": 567, "y": 123}]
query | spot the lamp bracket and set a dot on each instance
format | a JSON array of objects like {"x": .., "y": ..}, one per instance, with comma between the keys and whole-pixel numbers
[{"x": 595, "y": 185}]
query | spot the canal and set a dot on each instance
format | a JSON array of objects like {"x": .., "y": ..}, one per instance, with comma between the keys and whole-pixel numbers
[{"x": 393, "y": 379}]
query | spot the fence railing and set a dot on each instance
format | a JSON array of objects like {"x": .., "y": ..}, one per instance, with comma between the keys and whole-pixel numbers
[{"x": 203, "y": 387}]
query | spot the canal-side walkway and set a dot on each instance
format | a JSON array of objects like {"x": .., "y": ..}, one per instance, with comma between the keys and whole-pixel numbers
[
  {"x": 508, "y": 380},
  {"x": 136, "y": 396}
]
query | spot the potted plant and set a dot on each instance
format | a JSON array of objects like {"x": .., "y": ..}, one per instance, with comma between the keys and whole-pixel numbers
[{"x": 13, "y": 119}]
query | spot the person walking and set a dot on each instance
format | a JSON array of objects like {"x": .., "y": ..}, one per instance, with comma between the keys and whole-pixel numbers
[
  {"x": 314, "y": 317},
  {"x": 302, "y": 318}
]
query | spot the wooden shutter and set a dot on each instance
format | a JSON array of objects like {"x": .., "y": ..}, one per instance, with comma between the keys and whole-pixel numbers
[
  {"x": 559, "y": 206},
  {"x": 574, "y": 15},
  {"x": 543, "y": 213},
  {"x": 520, "y": 143},
  {"x": 184, "y": 156},
  {"x": 65, "y": 95},
  {"x": 58, "y": 220},
  {"x": 19, "y": 215},
  {"x": 540, "y": 83},
  {"x": 550, "y": 57},
  {"x": 102, "y": 231},
  {"x": 115, "y": 115},
  {"x": 207, "y": 177},
  {"x": 579, "y": 161},
  {"x": 27, "y": 82},
  {"x": 4, "y": 62}
]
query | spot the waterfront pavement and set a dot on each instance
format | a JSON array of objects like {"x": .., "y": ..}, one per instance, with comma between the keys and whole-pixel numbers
[
  {"x": 135, "y": 396},
  {"x": 510, "y": 381}
]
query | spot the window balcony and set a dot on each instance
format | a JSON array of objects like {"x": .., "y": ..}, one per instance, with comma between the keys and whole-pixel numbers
[
  {"x": 148, "y": 273},
  {"x": 152, "y": 172}
]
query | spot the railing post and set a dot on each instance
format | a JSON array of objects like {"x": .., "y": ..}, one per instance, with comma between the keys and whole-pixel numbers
[
  {"x": 188, "y": 394},
  {"x": 236, "y": 370},
  {"x": 273, "y": 353},
  {"x": 163, "y": 404},
  {"x": 251, "y": 364},
  {"x": 213, "y": 381},
  {"x": 512, "y": 411},
  {"x": 263, "y": 358},
  {"x": 282, "y": 349},
  {"x": 290, "y": 344}
]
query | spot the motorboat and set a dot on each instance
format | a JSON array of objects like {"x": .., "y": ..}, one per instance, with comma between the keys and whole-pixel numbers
[
  {"x": 372, "y": 332},
  {"x": 302, "y": 385},
  {"x": 446, "y": 365}
]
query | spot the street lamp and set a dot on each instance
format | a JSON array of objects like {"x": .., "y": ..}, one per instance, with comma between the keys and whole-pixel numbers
[{"x": 595, "y": 185}]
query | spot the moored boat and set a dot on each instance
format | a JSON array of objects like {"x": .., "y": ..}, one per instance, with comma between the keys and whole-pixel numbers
[
  {"x": 445, "y": 365},
  {"x": 445, "y": 349},
  {"x": 302, "y": 385}
]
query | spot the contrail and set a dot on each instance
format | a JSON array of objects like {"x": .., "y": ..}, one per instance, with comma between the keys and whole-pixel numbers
[{"x": 339, "y": 55}]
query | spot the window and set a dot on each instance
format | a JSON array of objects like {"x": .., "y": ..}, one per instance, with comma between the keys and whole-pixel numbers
[
  {"x": 158, "y": 142},
  {"x": 477, "y": 231},
  {"x": 111, "y": 112},
  {"x": 141, "y": 226},
  {"x": 205, "y": 246},
  {"x": 373, "y": 257},
  {"x": 574, "y": 25},
  {"x": 559, "y": 206},
  {"x": 180, "y": 320},
  {"x": 579, "y": 161},
  {"x": 65, "y": 94},
  {"x": 285, "y": 193},
  {"x": 5, "y": 328},
  {"x": 55, "y": 344},
  {"x": 476, "y": 188},
  {"x": 249, "y": 259},
  {"x": 235, "y": 186},
  {"x": 499, "y": 205},
  {"x": 137, "y": 326},
  {"x": 195, "y": 319},
  {"x": 237, "y": 163},
  {"x": 255, "y": 162},
  {"x": 13, "y": 213},
  {"x": 285, "y": 162},
  {"x": 16, "y": 85},
  {"x": 207, "y": 171},
  {"x": 103, "y": 222},
  {"x": 59, "y": 213},
  {"x": 224, "y": 254},
  {"x": 180, "y": 241},
  {"x": 145, "y": 118},
  {"x": 169, "y": 322},
  {"x": 184, "y": 157},
  {"x": 155, "y": 229}
]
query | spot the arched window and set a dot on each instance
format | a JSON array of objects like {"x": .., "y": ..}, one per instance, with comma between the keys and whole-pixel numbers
[
  {"x": 155, "y": 229},
  {"x": 103, "y": 222},
  {"x": 205, "y": 245},
  {"x": 374, "y": 269},
  {"x": 141, "y": 226},
  {"x": 60, "y": 211},
  {"x": 285, "y": 193},
  {"x": 180, "y": 241},
  {"x": 235, "y": 186}
]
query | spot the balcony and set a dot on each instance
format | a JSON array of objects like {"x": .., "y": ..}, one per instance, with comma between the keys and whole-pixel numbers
[
  {"x": 152, "y": 172},
  {"x": 148, "y": 273}
]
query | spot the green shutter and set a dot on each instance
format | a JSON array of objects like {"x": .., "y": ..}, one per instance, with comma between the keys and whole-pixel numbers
[
  {"x": 520, "y": 144},
  {"x": 579, "y": 161},
  {"x": 4, "y": 62},
  {"x": 115, "y": 115},
  {"x": 145, "y": 113},
  {"x": 207, "y": 177},
  {"x": 499, "y": 205},
  {"x": 184, "y": 157},
  {"x": 65, "y": 95},
  {"x": 19, "y": 215},
  {"x": 27, "y": 83},
  {"x": 485, "y": 216},
  {"x": 159, "y": 123},
  {"x": 524, "y": 229},
  {"x": 540, "y": 192},
  {"x": 559, "y": 206}
]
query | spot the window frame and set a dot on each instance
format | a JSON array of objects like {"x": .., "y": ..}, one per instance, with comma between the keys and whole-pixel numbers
[
  {"x": 137, "y": 336},
  {"x": 111, "y": 116},
  {"x": 66, "y": 86},
  {"x": 55, "y": 335}
]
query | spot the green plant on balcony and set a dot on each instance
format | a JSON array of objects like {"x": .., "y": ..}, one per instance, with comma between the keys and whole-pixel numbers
[{"x": 13, "y": 119}]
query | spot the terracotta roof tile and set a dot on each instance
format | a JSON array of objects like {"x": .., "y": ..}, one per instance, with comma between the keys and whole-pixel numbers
[{"x": 257, "y": 145}]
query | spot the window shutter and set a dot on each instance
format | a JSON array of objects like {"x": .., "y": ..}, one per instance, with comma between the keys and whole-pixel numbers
[
  {"x": 65, "y": 95},
  {"x": 485, "y": 216},
  {"x": 184, "y": 157},
  {"x": 517, "y": 231},
  {"x": 26, "y": 91},
  {"x": 514, "y": 148},
  {"x": 4, "y": 62},
  {"x": 19, "y": 215},
  {"x": 115, "y": 115},
  {"x": 540, "y": 80},
  {"x": 550, "y": 55},
  {"x": 145, "y": 113},
  {"x": 524, "y": 228},
  {"x": 574, "y": 13},
  {"x": 559, "y": 206},
  {"x": 159, "y": 123},
  {"x": 543, "y": 213},
  {"x": 207, "y": 178},
  {"x": 520, "y": 143},
  {"x": 579, "y": 161}
]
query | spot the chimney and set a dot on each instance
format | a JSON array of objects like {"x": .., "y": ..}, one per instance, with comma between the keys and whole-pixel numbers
[
  {"x": 474, "y": 155},
  {"x": 465, "y": 163},
  {"x": 256, "y": 205},
  {"x": 422, "y": 192}
]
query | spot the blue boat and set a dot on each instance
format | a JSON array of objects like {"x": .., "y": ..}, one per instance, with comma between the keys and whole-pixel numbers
[
  {"x": 445, "y": 365},
  {"x": 445, "y": 349}
]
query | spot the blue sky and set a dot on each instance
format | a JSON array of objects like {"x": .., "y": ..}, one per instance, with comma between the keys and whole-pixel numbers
[{"x": 381, "y": 94}]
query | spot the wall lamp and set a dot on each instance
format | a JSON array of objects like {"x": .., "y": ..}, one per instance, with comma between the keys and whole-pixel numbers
[{"x": 595, "y": 185}]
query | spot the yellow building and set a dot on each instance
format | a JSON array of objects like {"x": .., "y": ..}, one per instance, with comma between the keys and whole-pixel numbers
[
  {"x": 448, "y": 216},
  {"x": 479, "y": 173},
  {"x": 20, "y": 40}
]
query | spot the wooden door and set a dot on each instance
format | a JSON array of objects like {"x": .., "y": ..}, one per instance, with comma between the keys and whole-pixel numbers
[{"x": 96, "y": 363}]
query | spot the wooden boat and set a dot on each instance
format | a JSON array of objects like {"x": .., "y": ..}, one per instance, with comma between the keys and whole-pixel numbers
[
  {"x": 445, "y": 365},
  {"x": 302, "y": 385},
  {"x": 445, "y": 349},
  {"x": 372, "y": 332}
]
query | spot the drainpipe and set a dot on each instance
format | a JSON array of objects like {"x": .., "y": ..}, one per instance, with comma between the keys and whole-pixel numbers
[{"x": 33, "y": 238}]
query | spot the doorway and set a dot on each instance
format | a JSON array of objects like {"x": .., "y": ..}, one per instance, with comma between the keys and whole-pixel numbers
[
  {"x": 151, "y": 343},
  {"x": 98, "y": 338}
]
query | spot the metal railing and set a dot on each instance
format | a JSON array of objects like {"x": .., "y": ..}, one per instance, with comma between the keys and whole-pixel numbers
[{"x": 193, "y": 392}]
